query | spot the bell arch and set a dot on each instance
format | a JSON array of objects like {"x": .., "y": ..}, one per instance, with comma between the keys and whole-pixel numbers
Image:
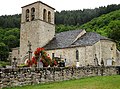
[
  {"x": 32, "y": 14},
  {"x": 49, "y": 16},
  {"x": 27, "y": 15},
  {"x": 44, "y": 15}
]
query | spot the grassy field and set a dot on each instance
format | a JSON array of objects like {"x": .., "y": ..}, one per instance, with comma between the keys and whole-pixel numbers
[{"x": 105, "y": 82}]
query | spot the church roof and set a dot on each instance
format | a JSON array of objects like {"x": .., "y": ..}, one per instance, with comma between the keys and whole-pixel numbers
[
  {"x": 89, "y": 38},
  {"x": 38, "y": 2},
  {"x": 66, "y": 39}
]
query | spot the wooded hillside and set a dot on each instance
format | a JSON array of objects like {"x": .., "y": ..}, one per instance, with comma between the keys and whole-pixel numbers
[{"x": 79, "y": 17}]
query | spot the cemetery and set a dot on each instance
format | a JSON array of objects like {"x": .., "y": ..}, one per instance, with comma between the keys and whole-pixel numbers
[{"x": 45, "y": 57}]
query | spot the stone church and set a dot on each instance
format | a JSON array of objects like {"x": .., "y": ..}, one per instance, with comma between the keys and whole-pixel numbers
[{"x": 76, "y": 47}]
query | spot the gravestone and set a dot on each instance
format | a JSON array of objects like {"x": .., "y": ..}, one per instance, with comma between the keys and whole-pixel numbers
[{"x": 39, "y": 64}]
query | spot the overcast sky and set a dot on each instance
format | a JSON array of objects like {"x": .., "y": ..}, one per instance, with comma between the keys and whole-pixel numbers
[{"x": 10, "y": 7}]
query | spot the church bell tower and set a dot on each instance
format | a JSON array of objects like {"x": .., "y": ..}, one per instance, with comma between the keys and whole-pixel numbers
[{"x": 37, "y": 26}]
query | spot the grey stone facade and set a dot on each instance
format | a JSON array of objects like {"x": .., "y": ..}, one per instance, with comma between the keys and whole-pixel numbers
[{"x": 40, "y": 30}]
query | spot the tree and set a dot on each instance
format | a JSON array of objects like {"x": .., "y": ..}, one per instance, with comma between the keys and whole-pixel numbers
[
  {"x": 114, "y": 30},
  {"x": 11, "y": 41},
  {"x": 14, "y": 31},
  {"x": 4, "y": 51}
]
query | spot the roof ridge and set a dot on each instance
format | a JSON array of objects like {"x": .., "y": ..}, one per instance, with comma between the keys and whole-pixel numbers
[
  {"x": 80, "y": 35},
  {"x": 79, "y": 38},
  {"x": 70, "y": 31}
]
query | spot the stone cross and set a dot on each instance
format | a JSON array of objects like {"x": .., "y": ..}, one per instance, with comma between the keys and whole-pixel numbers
[{"x": 30, "y": 50}]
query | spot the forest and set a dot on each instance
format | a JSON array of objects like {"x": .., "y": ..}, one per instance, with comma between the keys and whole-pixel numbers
[{"x": 103, "y": 20}]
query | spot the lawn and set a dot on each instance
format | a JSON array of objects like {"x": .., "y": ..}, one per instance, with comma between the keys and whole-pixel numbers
[
  {"x": 2, "y": 63},
  {"x": 99, "y": 82}
]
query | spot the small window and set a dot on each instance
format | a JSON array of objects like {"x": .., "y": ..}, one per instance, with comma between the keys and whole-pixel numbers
[
  {"x": 27, "y": 15},
  {"x": 77, "y": 55},
  {"x": 44, "y": 14},
  {"x": 112, "y": 46},
  {"x": 53, "y": 55},
  {"x": 49, "y": 17},
  {"x": 32, "y": 14},
  {"x": 96, "y": 60}
]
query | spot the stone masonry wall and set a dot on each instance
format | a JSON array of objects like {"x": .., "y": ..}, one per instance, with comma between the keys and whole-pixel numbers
[
  {"x": 29, "y": 76},
  {"x": 38, "y": 31},
  {"x": 108, "y": 50}
]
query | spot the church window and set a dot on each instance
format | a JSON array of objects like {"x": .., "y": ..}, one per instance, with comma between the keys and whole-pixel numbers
[
  {"x": 49, "y": 16},
  {"x": 96, "y": 60},
  {"x": 27, "y": 15},
  {"x": 32, "y": 14},
  {"x": 77, "y": 55},
  {"x": 53, "y": 55},
  {"x": 44, "y": 14}
]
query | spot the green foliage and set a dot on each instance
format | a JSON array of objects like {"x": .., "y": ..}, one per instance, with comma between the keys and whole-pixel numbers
[
  {"x": 102, "y": 22},
  {"x": 14, "y": 31},
  {"x": 9, "y": 38},
  {"x": 80, "y": 17},
  {"x": 11, "y": 41},
  {"x": 61, "y": 28},
  {"x": 99, "y": 82},
  {"x": 114, "y": 30},
  {"x": 4, "y": 51},
  {"x": 3, "y": 64},
  {"x": 10, "y": 21}
]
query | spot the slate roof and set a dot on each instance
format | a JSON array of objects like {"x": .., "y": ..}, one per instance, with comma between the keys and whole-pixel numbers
[
  {"x": 89, "y": 38},
  {"x": 65, "y": 39}
]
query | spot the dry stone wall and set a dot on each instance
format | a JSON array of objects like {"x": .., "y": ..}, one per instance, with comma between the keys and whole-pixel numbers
[{"x": 30, "y": 76}]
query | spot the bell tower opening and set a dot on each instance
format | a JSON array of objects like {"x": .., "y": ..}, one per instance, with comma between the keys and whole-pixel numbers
[
  {"x": 49, "y": 16},
  {"x": 44, "y": 15},
  {"x": 32, "y": 14},
  {"x": 27, "y": 15}
]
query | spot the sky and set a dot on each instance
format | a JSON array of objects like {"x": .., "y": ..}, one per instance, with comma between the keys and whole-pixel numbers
[{"x": 10, "y": 7}]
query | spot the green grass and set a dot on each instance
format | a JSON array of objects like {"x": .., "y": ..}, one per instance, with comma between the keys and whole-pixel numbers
[
  {"x": 99, "y": 82},
  {"x": 2, "y": 63}
]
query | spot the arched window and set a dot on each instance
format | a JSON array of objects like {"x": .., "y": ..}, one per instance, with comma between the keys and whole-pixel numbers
[
  {"x": 32, "y": 14},
  {"x": 27, "y": 15},
  {"x": 45, "y": 15},
  {"x": 96, "y": 60},
  {"x": 53, "y": 55},
  {"x": 77, "y": 55},
  {"x": 49, "y": 16}
]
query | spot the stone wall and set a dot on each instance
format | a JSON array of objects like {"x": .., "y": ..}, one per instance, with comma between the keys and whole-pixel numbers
[
  {"x": 108, "y": 50},
  {"x": 29, "y": 76},
  {"x": 118, "y": 57},
  {"x": 86, "y": 54},
  {"x": 103, "y": 49}
]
